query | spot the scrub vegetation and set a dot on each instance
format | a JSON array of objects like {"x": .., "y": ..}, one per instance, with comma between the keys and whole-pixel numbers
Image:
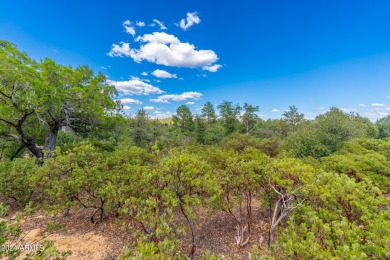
[{"x": 323, "y": 184}]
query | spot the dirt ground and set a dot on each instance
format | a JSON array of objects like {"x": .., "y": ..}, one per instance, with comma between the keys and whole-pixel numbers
[{"x": 105, "y": 240}]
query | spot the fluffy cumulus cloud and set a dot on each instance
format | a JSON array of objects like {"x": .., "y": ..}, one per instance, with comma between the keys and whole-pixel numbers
[
  {"x": 140, "y": 24},
  {"x": 120, "y": 50},
  {"x": 213, "y": 68},
  {"x": 144, "y": 73},
  {"x": 166, "y": 49},
  {"x": 192, "y": 18},
  {"x": 148, "y": 107},
  {"x": 135, "y": 86},
  {"x": 190, "y": 103},
  {"x": 377, "y": 105},
  {"x": 158, "y": 37},
  {"x": 163, "y": 74},
  {"x": 130, "y": 101},
  {"x": 175, "y": 97},
  {"x": 128, "y": 27},
  {"x": 161, "y": 24},
  {"x": 127, "y": 108}
]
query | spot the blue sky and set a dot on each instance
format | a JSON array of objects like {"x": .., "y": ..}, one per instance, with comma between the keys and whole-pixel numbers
[{"x": 311, "y": 54}]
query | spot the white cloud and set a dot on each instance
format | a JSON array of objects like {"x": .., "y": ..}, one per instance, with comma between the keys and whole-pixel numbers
[
  {"x": 162, "y": 26},
  {"x": 213, "y": 68},
  {"x": 128, "y": 27},
  {"x": 126, "y": 108},
  {"x": 377, "y": 105},
  {"x": 120, "y": 50},
  {"x": 190, "y": 103},
  {"x": 161, "y": 116},
  {"x": 140, "y": 24},
  {"x": 375, "y": 115},
  {"x": 361, "y": 105},
  {"x": 135, "y": 86},
  {"x": 348, "y": 110},
  {"x": 163, "y": 74},
  {"x": 158, "y": 37},
  {"x": 130, "y": 101},
  {"x": 144, "y": 73},
  {"x": 275, "y": 110},
  {"x": 192, "y": 18},
  {"x": 148, "y": 107},
  {"x": 174, "y": 97},
  {"x": 158, "y": 100},
  {"x": 165, "y": 49}
]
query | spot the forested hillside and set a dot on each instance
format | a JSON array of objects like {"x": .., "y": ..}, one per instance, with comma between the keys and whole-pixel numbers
[{"x": 320, "y": 187}]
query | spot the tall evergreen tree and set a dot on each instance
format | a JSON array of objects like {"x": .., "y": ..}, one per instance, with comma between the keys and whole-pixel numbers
[
  {"x": 183, "y": 119},
  {"x": 200, "y": 129},
  {"x": 229, "y": 115},
  {"x": 208, "y": 113},
  {"x": 249, "y": 118},
  {"x": 293, "y": 117}
]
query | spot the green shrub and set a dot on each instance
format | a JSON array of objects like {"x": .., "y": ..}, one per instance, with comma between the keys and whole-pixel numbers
[{"x": 15, "y": 179}]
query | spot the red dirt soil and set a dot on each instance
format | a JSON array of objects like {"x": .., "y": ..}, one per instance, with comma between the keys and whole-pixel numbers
[{"x": 105, "y": 240}]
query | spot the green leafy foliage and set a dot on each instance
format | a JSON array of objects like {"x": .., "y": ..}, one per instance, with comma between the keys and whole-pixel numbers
[
  {"x": 75, "y": 177},
  {"x": 341, "y": 219},
  {"x": 184, "y": 120},
  {"x": 164, "y": 250},
  {"x": 293, "y": 118},
  {"x": 383, "y": 125},
  {"x": 363, "y": 160},
  {"x": 38, "y": 98},
  {"x": 327, "y": 133},
  {"x": 16, "y": 180}
]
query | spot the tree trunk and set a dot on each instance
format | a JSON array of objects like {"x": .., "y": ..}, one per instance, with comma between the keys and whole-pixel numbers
[
  {"x": 189, "y": 220},
  {"x": 270, "y": 239},
  {"x": 27, "y": 140},
  {"x": 32, "y": 147},
  {"x": 51, "y": 139},
  {"x": 273, "y": 224}
]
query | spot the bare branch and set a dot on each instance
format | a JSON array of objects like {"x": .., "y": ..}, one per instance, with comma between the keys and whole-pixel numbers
[{"x": 8, "y": 122}]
